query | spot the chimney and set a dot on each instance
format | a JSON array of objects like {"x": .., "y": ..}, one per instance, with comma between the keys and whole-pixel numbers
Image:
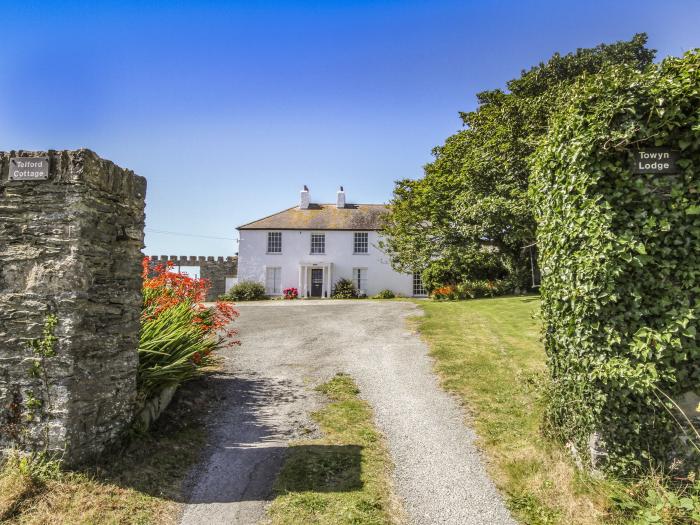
[
  {"x": 304, "y": 202},
  {"x": 340, "y": 203}
]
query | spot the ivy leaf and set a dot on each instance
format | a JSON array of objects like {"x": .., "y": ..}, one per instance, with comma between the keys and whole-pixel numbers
[{"x": 683, "y": 143}]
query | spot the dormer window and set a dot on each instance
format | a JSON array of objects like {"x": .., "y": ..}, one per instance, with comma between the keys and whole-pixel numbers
[{"x": 274, "y": 242}]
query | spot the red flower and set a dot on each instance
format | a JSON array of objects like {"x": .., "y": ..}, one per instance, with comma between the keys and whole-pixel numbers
[
  {"x": 290, "y": 293},
  {"x": 164, "y": 289}
]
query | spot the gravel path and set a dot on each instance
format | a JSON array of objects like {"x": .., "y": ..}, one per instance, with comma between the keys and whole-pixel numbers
[{"x": 289, "y": 347}]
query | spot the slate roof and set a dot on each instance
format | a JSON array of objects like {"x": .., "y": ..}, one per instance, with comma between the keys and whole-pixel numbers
[{"x": 323, "y": 217}]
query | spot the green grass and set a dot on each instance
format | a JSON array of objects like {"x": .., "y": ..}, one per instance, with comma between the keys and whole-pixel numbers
[
  {"x": 343, "y": 477},
  {"x": 488, "y": 352}
]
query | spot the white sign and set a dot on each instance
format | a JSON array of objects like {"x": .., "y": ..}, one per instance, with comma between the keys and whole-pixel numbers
[{"x": 29, "y": 168}]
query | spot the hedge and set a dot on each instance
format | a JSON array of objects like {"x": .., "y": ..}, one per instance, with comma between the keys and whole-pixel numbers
[{"x": 620, "y": 260}]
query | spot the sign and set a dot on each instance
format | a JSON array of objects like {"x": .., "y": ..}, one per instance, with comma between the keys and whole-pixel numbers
[
  {"x": 655, "y": 160},
  {"x": 29, "y": 168}
]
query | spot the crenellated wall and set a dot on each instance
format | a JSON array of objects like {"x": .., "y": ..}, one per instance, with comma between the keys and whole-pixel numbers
[{"x": 214, "y": 269}]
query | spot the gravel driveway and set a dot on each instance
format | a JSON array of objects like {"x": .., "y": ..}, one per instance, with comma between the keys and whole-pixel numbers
[{"x": 290, "y": 347}]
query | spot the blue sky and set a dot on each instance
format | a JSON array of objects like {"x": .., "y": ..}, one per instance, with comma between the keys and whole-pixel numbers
[{"x": 228, "y": 108}]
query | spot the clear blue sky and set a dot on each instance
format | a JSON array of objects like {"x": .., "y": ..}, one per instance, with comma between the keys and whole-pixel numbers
[{"x": 228, "y": 108}]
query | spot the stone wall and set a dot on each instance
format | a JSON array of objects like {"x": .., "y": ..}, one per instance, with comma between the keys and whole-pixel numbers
[
  {"x": 215, "y": 269},
  {"x": 69, "y": 246}
]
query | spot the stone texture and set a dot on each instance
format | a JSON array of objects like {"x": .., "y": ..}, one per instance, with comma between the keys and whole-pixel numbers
[
  {"x": 214, "y": 269},
  {"x": 70, "y": 246}
]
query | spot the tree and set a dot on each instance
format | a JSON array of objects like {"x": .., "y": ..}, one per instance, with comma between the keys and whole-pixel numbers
[{"x": 469, "y": 216}]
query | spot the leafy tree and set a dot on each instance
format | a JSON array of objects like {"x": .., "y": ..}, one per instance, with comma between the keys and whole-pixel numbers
[{"x": 469, "y": 216}]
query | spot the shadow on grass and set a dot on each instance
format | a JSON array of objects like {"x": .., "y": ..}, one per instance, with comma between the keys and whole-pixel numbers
[
  {"x": 167, "y": 461},
  {"x": 157, "y": 462},
  {"x": 322, "y": 468},
  {"x": 216, "y": 443}
]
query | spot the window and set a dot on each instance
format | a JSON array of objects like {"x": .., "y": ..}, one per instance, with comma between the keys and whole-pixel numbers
[
  {"x": 361, "y": 242},
  {"x": 273, "y": 281},
  {"x": 359, "y": 279},
  {"x": 318, "y": 243},
  {"x": 418, "y": 285},
  {"x": 274, "y": 242}
]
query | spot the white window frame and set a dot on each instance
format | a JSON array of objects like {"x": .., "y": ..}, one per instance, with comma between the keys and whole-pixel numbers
[
  {"x": 359, "y": 279},
  {"x": 314, "y": 247},
  {"x": 362, "y": 243},
  {"x": 273, "y": 280},
  {"x": 418, "y": 288},
  {"x": 274, "y": 240}
]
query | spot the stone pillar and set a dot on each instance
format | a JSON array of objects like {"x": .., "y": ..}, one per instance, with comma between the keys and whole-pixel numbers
[{"x": 70, "y": 246}]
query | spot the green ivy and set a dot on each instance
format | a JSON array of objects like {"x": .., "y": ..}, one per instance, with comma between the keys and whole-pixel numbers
[
  {"x": 42, "y": 348},
  {"x": 620, "y": 260}
]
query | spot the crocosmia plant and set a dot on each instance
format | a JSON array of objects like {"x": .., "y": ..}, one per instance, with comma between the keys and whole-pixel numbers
[{"x": 178, "y": 332}]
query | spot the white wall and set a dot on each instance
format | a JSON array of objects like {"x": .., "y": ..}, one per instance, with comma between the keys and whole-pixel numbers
[
  {"x": 230, "y": 282},
  {"x": 296, "y": 247}
]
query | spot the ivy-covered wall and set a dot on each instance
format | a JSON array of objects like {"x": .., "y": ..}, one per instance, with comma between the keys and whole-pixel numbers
[{"x": 620, "y": 261}]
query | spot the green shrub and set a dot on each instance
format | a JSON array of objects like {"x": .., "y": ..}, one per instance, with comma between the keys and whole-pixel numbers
[
  {"x": 247, "y": 291},
  {"x": 478, "y": 265},
  {"x": 620, "y": 262},
  {"x": 482, "y": 288},
  {"x": 344, "y": 289},
  {"x": 385, "y": 294}
]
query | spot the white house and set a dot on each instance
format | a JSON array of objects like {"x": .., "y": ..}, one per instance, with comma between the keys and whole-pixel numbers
[{"x": 311, "y": 246}]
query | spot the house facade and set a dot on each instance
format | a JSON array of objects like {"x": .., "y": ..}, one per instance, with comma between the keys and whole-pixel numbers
[{"x": 311, "y": 246}]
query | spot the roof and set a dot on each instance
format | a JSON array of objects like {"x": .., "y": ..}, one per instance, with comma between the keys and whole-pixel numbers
[{"x": 323, "y": 217}]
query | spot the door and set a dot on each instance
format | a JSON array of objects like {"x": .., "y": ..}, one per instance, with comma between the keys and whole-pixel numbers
[{"x": 316, "y": 282}]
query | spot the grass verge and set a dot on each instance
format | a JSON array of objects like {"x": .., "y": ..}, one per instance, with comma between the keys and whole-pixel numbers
[
  {"x": 138, "y": 484},
  {"x": 343, "y": 477},
  {"x": 488, "y": 352}
]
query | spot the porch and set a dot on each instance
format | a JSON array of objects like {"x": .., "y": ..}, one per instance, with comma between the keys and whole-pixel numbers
[{"x": 315, "y": 279}]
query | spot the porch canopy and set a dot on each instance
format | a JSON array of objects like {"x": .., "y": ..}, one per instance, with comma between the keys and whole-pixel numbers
[{"x": 305, "y": 278}]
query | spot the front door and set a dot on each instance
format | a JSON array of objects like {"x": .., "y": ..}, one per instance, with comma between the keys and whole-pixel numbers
[{"x": 316, "y": 282}]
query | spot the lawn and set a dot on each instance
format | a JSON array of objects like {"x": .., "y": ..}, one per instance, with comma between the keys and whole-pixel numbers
[
  {"x": 488, "y": 352},
  {"x": 342, "y": 477}
]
